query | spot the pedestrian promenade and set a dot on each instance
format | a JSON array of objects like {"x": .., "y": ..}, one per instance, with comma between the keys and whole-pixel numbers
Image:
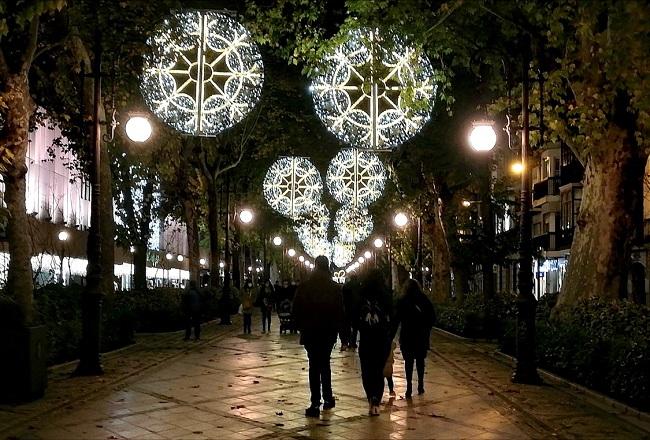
[{"x": 235, "y": 386}]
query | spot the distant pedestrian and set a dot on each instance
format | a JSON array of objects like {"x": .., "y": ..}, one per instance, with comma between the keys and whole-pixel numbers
[
  {"x": 415, "y": 314},
  {"x": 248, "y": 304},
  {"x": 319, "y": 315},
  {"x": 351, "y": 301},
  {"x": 374, "y": 324},
  {"x": 192, "y": 311},
  {"x": 265, "y": 300}
]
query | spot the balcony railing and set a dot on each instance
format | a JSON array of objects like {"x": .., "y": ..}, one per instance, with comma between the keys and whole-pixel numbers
[{"x": 548, "y": 187}]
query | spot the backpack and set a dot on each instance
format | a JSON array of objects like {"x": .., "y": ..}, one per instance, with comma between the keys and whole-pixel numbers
[{"x": 373, "y": 317}]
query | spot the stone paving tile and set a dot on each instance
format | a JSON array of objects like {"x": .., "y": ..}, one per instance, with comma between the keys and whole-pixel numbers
[{"x": 233, "y": 386}]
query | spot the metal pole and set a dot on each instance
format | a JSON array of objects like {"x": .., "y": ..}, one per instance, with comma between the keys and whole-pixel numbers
[
  {"x": 225, "y": 295},
  {"x": 89, "y": 358},
  {"x": 526, "y": 366},
  {"x": 418, "y": 258}
]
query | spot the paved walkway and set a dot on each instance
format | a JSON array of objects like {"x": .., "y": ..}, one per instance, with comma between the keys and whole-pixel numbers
[{"x": 231, "y": 386}]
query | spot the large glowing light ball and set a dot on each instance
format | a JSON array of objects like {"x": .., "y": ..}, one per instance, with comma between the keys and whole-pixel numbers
[
  {"x": 316, "y": 246},
  {"x": 374, "y": 91},
  {"x": 203, "y": 74},
  {"x": 342, "y": 252},
  {"x": 356, "y": 177},
  {"x": 292, "y": 186},
  {"x": 138, "y": 129},
  {"x": 400, "y": 219},
  {"x": 482, "y": 137},
  {"x": 246, "y": 216},
  {"x": 353, "y": 224}
]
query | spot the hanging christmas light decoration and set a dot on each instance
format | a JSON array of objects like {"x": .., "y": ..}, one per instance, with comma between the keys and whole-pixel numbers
[
  {"x": 374, "y": 90},
  {"x": 293, "y": 186},
  {"x": 356, "y": 177},
  {"x": 311, "y": 229},
  {"x": 204, "y": 72},
  {"x": 342, "y": 252},
  {"x": 353, "y": 224}
]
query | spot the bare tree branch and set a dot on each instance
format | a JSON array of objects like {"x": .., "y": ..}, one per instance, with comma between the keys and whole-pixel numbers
[
  {"x": 30, "y": 48},
  {"x": 4, "y": 67}
]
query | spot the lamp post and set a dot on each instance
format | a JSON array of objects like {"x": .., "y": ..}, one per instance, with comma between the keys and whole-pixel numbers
[
  {"x": 63, "y": 237},
  {"x": 483, "y": 138}
]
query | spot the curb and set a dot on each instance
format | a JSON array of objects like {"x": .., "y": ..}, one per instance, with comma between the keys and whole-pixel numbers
[{"x": 601, "y": 400}]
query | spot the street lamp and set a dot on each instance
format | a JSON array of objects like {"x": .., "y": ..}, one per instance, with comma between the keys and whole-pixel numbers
[
  {"x": 291, "y": 252},
  {"x": 361, "y": 260},
  {"x": 63, "y": 237},
  {"x": 517, "y": 167},
  {"x": 400, "y": 219},
  {"x": 482, "y": 137},
  {"x": 180, "y": 258},
  {"x": 367, "y": 254},
  {"x": 138, "y": 129},
  {"x": 222, "y": 264},
  {"x": 202, "y": 261},
  {"x": 277, "y": 240},
  {"x": 246, "y": 216},
  {"x": 169, "y": 256},
  {"x": 378, "y": 243},
  {"x": 466, "y": 203},
  {"x": 301, "y": 258}
]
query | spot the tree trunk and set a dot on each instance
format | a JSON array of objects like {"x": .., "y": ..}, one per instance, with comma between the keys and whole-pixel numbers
[
  {"x": 602, "y": 241},
  {"x": 20, "y": 107},
  {"x": 441, "y": 267},
  {"x": 140, "y": 266},
  {"x": 189, "y": 209},
  {"x": 213, "y": 231}
]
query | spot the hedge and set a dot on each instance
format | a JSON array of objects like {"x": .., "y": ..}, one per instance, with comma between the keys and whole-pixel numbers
[{"x": 602, "y": 345}]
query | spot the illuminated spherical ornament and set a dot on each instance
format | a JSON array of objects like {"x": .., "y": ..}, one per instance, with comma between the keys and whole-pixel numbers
[
  {"x": 374, "y": 91},
  {"x": 315, "y": 246},
  {"x": 353, "y": 224},
  {"x": 204, "y": 72},
  {"x": 356, "y": 177},
  {"x": 343, "y": 252},
  {"x": 292, "y": 186}
]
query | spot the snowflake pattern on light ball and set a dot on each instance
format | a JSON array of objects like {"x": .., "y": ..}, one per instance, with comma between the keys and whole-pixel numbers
[
  {"x": 353, "y": 224},
  {"x": 374, "y": 91},
  {"x": 204, "y": 73},
  {"x": 292, "y": 186},
  {"x": 355, "y": 177},
  {"x": 342, "y": 252},
  {"x": 311, "y": 229}
]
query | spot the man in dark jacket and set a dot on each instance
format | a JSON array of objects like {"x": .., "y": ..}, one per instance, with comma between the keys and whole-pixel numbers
[
  {"x": 319, "y": 315},
  {"x": 192, "y": 310}
]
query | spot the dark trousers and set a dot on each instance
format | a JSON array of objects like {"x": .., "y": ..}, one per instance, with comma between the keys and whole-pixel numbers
[
  {"x": 352, "y": 341},
  {"x": 389, "y": 382},
  {"x": 266, "y": 318},
  {"x": 408, "y": 366},
  {"x": 193, "y": 320},
  {"x": 320, "y": 374},
  {"x": 372, "y": 360},
  {"x": 247, "y": 322}
]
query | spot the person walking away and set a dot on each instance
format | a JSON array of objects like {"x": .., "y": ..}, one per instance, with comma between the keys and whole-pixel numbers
[
  {"x": 415, "y": 314},
  {"x": 374, "y": 324},
  {"x": 351, "y": 301},
  {"x": 319, "y": 315},
  {"x": 192, "y": 311},
  {"x": 247, "y": 305},
  {"x": 265, "y": 300}
]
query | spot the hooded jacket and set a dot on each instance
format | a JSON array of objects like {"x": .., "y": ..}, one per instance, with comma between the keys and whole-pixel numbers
[{"x": 318, "y": 309}]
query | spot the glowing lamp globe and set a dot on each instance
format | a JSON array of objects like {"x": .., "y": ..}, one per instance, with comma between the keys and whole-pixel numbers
[
  {"x": 483, "y": 137},
  {"x": 222, "y": 264},
  {"x": 202, "y": 261},
  {"x": 367, "y": 254},
  {"x": 138, "y": 129},
  {"x": 291, "y": 252},
  {"x": 63, "y": 235},
  {"x": 301, "y": 258},
  {"x": 246, "y": 216},
  {"x": 378, "y": 243},
  {"x": 361, "y": 260},
  {"x": 277, "y": 240},
  {"x": 180, "y": 258},
  {"x": 401, "y": 219},
  {"x": 517, "y": 167},
  {"x": 466, "y": 203},
  {"x": 169, "y": 256}
]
